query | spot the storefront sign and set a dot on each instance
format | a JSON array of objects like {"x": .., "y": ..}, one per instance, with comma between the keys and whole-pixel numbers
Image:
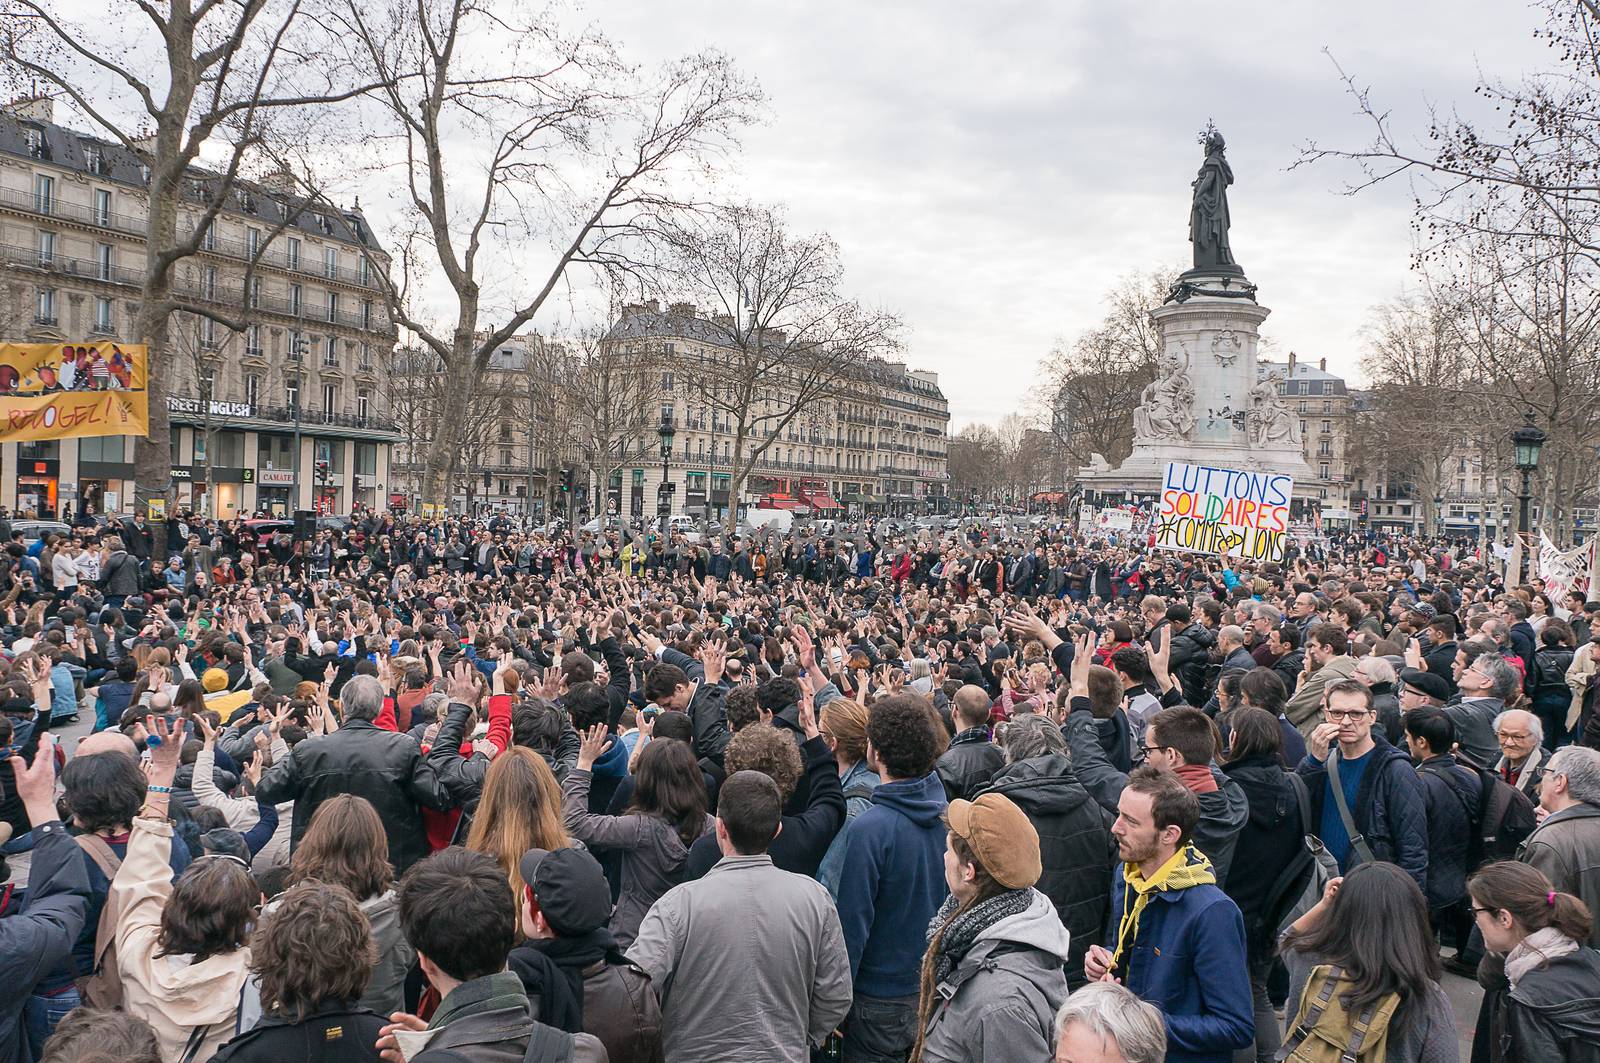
[
  {"x": 1225, "y": 512},
  {"x": 218, "y": 408},
  {"x": 72, "y": 390},
  {"x": 182, "y": 472},
  {"x": 274, "y": 476}
]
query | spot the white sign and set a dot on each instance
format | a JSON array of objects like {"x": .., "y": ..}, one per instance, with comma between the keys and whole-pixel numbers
[
  {"x": 1562, "y": 571},
  {"x": 1211, "y": 509},
  {"x": 1117, "y": 520},
  {"x": 274, "y": 476},
  {"x": 218, "y": 408}
]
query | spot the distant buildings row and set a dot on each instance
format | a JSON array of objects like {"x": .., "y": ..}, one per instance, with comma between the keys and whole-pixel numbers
[{"x": 319, "y": 350}]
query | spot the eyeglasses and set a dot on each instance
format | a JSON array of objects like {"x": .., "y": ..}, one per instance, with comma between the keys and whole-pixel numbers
[
  {"x": 1513, "y": 736},
  {"x": 1344, "y": 714},
  {"x": 1475, "y": 910},
  {"x": 1147, "y": 749}
]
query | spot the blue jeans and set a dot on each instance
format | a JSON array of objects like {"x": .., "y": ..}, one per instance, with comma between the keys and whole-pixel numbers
[{"x": 41, "y": 1014}]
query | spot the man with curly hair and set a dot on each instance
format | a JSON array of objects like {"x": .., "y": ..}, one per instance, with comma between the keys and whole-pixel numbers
[{"x": 893, "y": 880}]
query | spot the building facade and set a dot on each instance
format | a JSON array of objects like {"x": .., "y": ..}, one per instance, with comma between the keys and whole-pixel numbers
[
  {"x": 312, "y": 361},
  {"x": 1325, "y": 407},
  {"x": 877, "y": 445}
]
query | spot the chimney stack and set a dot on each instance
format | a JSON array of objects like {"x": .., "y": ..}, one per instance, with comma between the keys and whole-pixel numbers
[
  {"x": 1291, "y": 363},
  {"x": 1322, "y": 364},
  {"x": 36, "y": 107}
]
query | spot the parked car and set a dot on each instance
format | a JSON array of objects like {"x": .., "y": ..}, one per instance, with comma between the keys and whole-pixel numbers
[{"x": 34, "y": 530}]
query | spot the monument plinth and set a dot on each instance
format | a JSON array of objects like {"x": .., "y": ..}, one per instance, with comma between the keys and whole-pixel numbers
[{"x": 1208, "y": 404}]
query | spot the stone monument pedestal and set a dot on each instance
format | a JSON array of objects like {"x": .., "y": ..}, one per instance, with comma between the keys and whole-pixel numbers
[{"x": 1209, "y": 404}]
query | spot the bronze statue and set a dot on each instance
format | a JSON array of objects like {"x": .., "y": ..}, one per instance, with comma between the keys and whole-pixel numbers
[{"x": 1208, "y": 218}]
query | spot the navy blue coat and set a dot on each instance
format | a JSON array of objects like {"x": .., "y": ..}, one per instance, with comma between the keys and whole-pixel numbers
[
  {"x": 1188, "y": 959},
  {"x": 1391, "y": 810}
]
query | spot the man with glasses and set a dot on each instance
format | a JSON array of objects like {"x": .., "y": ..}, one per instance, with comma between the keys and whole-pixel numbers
[
  {"x": 1566, "y": 846},
  {"x": 1485, "y": 685},
  {"x": 1379, "y": 785},
  {"x": 1521, "y": 738}
]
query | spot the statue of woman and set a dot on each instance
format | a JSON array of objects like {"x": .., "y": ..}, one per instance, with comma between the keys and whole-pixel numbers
[
  {"x": 1166, "y": 406},
  {"x": 1208, "y": 218}
]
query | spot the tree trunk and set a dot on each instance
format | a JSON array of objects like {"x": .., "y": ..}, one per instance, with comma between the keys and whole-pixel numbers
[{"x": 739, "y": 466}]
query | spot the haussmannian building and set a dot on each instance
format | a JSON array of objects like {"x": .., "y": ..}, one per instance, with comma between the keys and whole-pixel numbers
[{"x": 318, "y": 341}]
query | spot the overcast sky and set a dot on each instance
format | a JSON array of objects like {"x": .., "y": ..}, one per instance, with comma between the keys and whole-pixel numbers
[{"x": 989, "y": 170}]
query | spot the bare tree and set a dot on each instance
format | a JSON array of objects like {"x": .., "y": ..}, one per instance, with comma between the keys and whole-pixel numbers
[
  {"x": 1091, "y": 387},
  {"x": 608, "y": 401},
  {"x": 231, "y": 77},
  {"x": 580, "y": 154},
  {"x": 782, "y": 337}
]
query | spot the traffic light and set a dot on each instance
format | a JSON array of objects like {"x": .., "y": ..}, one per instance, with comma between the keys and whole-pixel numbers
[
  {"x": 566, "y": 481},
  {"x": 324, "y": 469}
]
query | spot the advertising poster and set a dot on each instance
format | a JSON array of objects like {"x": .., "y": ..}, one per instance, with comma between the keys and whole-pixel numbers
[
  {"x": 1207, "y": 509},
  {"x": 72, "y": 390}
]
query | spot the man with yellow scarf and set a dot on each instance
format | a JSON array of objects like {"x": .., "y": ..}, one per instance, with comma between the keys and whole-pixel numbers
[{"x": 1179, "y": 940}]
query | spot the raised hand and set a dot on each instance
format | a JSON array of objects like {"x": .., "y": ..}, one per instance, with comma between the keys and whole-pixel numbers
[
  {"x": 596, "y": 740},
  {"x": 462, "y": 687}
]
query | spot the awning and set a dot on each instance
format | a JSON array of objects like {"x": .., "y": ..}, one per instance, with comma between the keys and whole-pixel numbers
[
  {"x": 820, "y": 501},
  {"x": 784, "y": 502}
]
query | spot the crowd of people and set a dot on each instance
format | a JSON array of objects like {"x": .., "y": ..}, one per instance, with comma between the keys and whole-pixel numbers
[{"x": 455, "y": 789}]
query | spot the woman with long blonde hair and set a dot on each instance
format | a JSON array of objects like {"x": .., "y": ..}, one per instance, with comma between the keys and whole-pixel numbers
[{"x": 520, "y": 810}]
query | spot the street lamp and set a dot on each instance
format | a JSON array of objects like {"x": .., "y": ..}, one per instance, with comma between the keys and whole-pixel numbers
[
  {"x": 1527, "y": 439},
  {"x": 1438, "y": 513},
  {"x": 664, "y": 492}
]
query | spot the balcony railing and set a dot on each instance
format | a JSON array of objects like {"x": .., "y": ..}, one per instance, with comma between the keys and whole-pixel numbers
[
  {"x": 309, "y": 416},
  {"x": 29, "y": 202}
]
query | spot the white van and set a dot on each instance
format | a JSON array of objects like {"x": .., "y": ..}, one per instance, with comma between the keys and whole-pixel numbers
[{"x": 779, "y": 520}]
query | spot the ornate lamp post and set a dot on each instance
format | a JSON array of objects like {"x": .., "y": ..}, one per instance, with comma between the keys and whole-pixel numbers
[
  {"x": 1438, "y": 513},
  {"x": 1528, "y": 438},
  {"x": 664, "y": 492}
]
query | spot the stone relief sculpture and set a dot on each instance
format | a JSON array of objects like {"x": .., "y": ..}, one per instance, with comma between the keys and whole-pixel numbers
[
  {"x": 1270, "y": 419},
  {"x": 1166, "y": 406}
]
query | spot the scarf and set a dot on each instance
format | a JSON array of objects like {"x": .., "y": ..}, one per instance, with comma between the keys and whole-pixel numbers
[
  {"x": 1188, "y": 867},
  {"x": 552, "y": 969},
  {"x": 961, "y": 929},
  {"x": 1536, "y": 950},
  {"x": 1198, "y": 778}
]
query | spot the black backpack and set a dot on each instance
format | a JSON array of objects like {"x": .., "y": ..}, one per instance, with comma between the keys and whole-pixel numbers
[{"x": 1502, "y": 820}]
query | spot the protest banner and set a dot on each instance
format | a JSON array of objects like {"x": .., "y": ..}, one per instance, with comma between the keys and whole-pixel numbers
[
  {"x": 1563, "y": 571},
  {"x": 1115, "y": 520},
  {"x": 71, "y": 390},
  {"x": 1207, "y": 509}
]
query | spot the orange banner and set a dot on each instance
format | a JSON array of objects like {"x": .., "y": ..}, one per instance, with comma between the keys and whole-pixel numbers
[{"x": 68, "y": 390}]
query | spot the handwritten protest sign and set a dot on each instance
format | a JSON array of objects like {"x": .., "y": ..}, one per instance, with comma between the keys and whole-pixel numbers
[
  {"x": 67, "y": 390},
  {"x": 1207, "y": 509},
  {"x": 1564, "y": 571}
]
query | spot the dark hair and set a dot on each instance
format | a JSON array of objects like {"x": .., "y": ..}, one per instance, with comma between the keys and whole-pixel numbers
[
  {"x": 210, "y": 911},
  {"x": 1105, "y": 692},
  {"x": 578, "y": 667},
  {"x": 314, "y": 945},
  {"x": 1347, "y": 686},
  {"x": 1264, "y": 689},
  {"x": 1556, "y": 633},
  {"x": 769, "y": 751},
  {"x": 344, "y": 845},
  {"x": 1187, "y": 730},
  {"x": 1132, "y": 662},
  {"x": 743, "y": 708},
  {"x": 101, "y": 1035},
  {"x": 1433, "y": 725},
  {"x": 670, "y": 785},
  {"x": 1330, "y": 636},
  {"x": 749, "y": 805},
  {"x": 1377, "y": 929},
  {"x": 1172, "y": 804},
  {"x": 900, "y": 731},
  {"x": 1255, "y": 733},
  {"x": 1289, "y": 635},
  {"x": 777, "y": 694},
  {"x": 103, "y": 790},
  {"x": 662, "y": 680},
  {"x": 538, "y": 725},
  {"x": 673, "y": 724},
  {"x": 587, "y": 704},
  {"x": 1525, "y": 892},
  {"x": 456, "y": 910},
  {"x": 1179, "y": 613}
]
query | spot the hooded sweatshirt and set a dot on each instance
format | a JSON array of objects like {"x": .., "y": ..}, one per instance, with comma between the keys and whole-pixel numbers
[
  {"x": 892, "y": 884},
  {"x": 1004, "y": 992}
]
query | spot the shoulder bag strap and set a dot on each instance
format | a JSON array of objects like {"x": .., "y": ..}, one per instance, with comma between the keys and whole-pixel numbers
[
  {"x": 101, "y": 853},
  {"x": 1358, "y": 843},
  {"x": 197, "y": 1037},
  {"x": 1302, "y": 795},
  {"x": 1303, "y": 1028},
  {"x": 546, "y": 1044}
]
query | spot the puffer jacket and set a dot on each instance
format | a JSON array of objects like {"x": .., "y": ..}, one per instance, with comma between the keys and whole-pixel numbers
[
  {"x": 1191, "y": 652},
  {"x": 970, "y": 762},
  {"x": 1452, "y": 794},
  {"x": 1272, "y": 837},
  {"x": 1001, "y": 999},
  {"x": 360, "y": 758},
  {"x": 652, "y": 854},
  {"x": 1390, "y": 809},
  {"x": 1076, "y": 849}
]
